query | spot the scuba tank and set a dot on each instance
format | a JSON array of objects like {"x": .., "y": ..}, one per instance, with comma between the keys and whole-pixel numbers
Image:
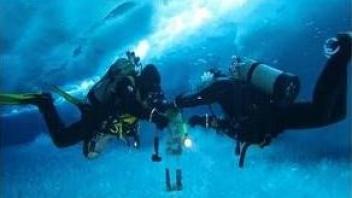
[
  {"x": 281, "y": 86},
  {"x": 104, "y": 90}
]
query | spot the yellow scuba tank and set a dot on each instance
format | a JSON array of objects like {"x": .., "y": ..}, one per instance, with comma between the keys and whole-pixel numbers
[{"x": 279, "y": 85}]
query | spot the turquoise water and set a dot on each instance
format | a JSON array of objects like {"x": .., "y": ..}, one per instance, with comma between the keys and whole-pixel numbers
[{"x": 71, "y": 43}]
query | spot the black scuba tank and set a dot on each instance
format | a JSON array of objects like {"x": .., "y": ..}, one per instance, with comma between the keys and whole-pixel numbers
[{"x": 282, "y": 87}]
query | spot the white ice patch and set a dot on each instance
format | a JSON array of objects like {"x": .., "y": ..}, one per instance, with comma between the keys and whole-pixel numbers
[{"x": 175, "y": 21}]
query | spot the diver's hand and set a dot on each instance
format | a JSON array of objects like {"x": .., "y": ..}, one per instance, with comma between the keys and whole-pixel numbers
[{"x": 160, "y": 120}]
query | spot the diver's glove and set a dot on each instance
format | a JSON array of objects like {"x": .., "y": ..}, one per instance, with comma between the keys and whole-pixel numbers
[{"x": 160, "y": 120}]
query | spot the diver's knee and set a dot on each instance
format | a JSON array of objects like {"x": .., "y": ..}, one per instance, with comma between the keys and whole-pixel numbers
[
  {"x": 91, "y": 155},
  {"x": 59, "y": 142},
  {"x": 89, "y": 150}
]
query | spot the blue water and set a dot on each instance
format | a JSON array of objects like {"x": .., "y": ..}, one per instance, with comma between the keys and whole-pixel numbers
[{"x": 68, "y": 43}]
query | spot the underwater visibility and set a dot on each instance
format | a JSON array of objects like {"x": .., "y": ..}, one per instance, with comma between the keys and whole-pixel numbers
[{"x": 175, "y": 98}]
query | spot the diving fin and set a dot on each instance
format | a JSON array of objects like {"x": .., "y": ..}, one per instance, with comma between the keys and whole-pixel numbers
[
  {"x": 167, "y": 180},
  {"x": 178, "y": 186},
  {"x": 178, "y": 179},
  {"x": 21, "y": 99}
]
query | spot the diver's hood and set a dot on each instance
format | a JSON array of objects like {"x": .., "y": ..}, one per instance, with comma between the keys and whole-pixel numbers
[{"x": 149, "y": 80}]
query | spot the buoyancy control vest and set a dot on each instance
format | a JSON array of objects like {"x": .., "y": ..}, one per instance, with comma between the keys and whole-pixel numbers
[{"x": 103, "y": 97}]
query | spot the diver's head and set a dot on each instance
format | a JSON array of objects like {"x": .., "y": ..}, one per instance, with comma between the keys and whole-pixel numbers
[{"x": 149, "y": 80}]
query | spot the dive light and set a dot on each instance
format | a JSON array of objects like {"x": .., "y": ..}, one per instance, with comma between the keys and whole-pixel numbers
[{"x": 187, "y": 142}]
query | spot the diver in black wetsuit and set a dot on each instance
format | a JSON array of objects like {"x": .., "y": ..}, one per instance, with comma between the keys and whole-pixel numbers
[
  {"x": 113, "y": 107},
  {"x": 256, "y": 111}
]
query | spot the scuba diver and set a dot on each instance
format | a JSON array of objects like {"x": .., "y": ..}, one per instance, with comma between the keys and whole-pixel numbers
[
  {"x": 176, "y": 141},
  {"x": 259, "y": 101},
  {"x": 113, "y": 106}
]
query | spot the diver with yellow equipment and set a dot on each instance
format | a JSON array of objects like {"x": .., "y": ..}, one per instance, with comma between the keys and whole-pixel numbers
[
  {"x": 113, "y": 107},
  {"x": 259, "y": 100}
]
